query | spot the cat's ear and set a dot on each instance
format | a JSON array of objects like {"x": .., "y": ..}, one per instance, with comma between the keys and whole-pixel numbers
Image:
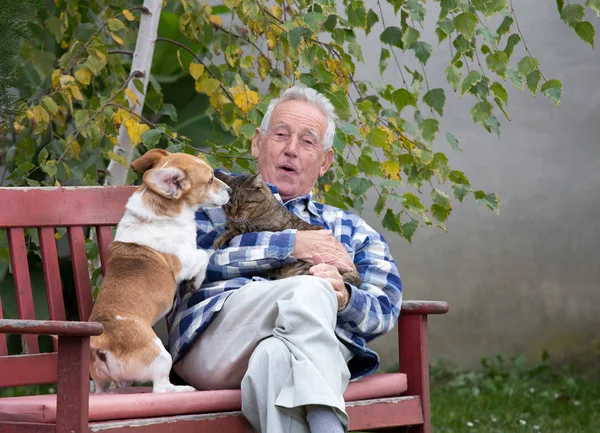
[
  {"x": 257, "y": 181},
  {"x": 223, "y": 177}
]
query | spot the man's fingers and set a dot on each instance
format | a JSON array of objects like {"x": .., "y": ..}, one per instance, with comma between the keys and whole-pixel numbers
[{"x": 317, "y": 259}]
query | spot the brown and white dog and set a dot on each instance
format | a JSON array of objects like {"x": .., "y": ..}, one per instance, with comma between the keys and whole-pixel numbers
[{"x": 154, "y": 250}]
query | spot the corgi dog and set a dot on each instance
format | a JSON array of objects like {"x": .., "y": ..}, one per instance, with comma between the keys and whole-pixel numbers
[{"x": 154, "y": 249}]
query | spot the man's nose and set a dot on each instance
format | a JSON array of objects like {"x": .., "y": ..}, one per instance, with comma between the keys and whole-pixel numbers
[{"x": 292, "y": 146}]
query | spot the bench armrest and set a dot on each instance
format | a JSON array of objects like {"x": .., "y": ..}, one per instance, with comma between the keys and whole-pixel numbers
[
  {"x": 424, "y": 307},
  {"x": 50, "y": 327}
]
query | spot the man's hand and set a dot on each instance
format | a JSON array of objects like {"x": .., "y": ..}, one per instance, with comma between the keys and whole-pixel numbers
[
  {"x": 321, "y": 242},
  {"x": 333, "y": 276}
]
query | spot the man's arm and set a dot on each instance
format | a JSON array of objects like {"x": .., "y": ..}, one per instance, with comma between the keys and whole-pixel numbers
[{"x": 373, "y": 309}]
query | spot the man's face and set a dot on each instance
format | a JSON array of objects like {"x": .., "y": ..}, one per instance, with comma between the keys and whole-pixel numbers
[{"x": 290, "y": 154}]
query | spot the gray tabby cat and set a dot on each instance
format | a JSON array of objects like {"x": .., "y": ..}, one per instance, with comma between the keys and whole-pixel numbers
[{"x": 253, "y": 208}]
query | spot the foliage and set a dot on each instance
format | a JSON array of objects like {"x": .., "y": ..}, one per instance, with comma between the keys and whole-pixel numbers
[
  {"x": 510, "y": 395},
  {"x": 216, "y": 68}
]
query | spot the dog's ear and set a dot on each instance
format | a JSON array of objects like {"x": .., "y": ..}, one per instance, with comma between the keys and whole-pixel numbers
[
  {"x": 169, "y": 182},
  {"x": 257, "y": 181},
  {"x": 148, "y": 160}
]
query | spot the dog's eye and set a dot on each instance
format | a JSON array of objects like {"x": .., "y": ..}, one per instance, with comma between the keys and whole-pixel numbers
[{"x": 211, "y": 180}]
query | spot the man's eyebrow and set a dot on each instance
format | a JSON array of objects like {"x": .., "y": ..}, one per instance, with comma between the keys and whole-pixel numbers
[
  {"x": 312, "y": 132},
  {"x": 281, "y": 125}
]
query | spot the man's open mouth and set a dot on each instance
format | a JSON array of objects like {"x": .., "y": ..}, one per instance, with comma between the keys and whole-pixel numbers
[{"x": 287, "y": 168}]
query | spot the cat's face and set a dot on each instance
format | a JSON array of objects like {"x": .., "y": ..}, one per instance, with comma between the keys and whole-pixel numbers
[{"x": 249, "y": 195}]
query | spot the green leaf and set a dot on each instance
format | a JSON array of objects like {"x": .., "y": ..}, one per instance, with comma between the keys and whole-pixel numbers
[
  {"x": 413, "y": 203},
  {"x": 248, "y": 130},
  {"x": 481, "y": 112},
  {"x": 368, "y": 166},
  {"x": 372, "y": 19},
  {"x": 359, "y": 185},
  {"x": 50, "y": 167},
  {"x": 49, "y": 104},
  {"x": 585, "y": 30},
  {"x": 378, "y": 138},
  {"x": 296, "y": 34},
  {"x": 572, "y": 14},
  {"x": 515, "y": 77},
  {"x": 422, "y": 50},
  {"x": 505, "y": 25},
  {"x": 440, "y": 197},
  {"x": 391, "y": 222},
  {"x": 410, "y": 35},
  {"x": 436, "y": 98},
  {"x": 553, "y": 90},
  {"x": 489, "y": 7},
  {"x": 151, "y": 137},
  {"x": 429, "y": 129},
  {"x": 168, "y": 110},
  {"x": 416, "y": 10},
  {"x": 533, "y": 79},
  {"x": 401, "y": 98},
  {"x": 499, "y": 90},
  {"x": 409, "y": 229},
  {"x": 357, "y": 16},
  {"x": 447, "y": 7},
  {"x": 488, "y": 35},
  {"x": 497, "y": 62},
  {"x": 465, "y": 24},
  {"x": 392, "y": 36},
  {"x": 453, "y": 75},
  {"x": 115, "y": 24},
  {"x": 453, "y": 141},
  {"x": 527, "y": 65},
  {"x": 470, "y": 81},
  {"x": 439, "y": 212},
  {"x": 490, "y": 200},
  {"x": 380, "y": 204},
  {"x": 350, "y": 129},
  {"x": 594, "y": 5},
  {"x": 383, "y": 57},
  {"x": 339, "y": 100},
  {"x": 461, "y": 191},
  {"x": 314, "y": 20},
  {"x": 560, "y": 4}
]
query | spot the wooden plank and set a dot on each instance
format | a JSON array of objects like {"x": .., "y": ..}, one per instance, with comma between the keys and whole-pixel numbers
[
  {"x": 28, "y": 369},
  {"x": 424, "y": 307},
  {"x": 54, "y": 294},
  {"x": 104, "y": 236},
  {"x": 20, "y": 270},
  {"x": 414, "y": 361},
  {"x": 3, "y": 345},
  {"x": 81, "y": 274},
  {"x": 384, "y": 413},
  {"x": 73, "y": 387},
  {"x": 51, "y": 327},
  {"x": 26, "y": 427},
  {"x": 63, "y": 206}
]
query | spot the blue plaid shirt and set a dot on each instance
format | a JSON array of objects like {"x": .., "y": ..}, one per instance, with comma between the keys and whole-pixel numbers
[{"x": 372, "y": 310}]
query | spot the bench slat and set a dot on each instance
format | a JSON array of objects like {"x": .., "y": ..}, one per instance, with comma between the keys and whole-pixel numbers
[
  {"x": 56, "y": 303},
  {"x": 104, "y": 235},
  {"x": 20, "y": 269},
  {"x": 63, "y": 206},
  {"x": 3, "y": 346},
  {"x": 81, "y": 273},
  {"x": 28, "y": 369}
]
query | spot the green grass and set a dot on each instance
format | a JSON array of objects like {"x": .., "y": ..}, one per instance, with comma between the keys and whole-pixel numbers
[{"x": 508, "y": 396}]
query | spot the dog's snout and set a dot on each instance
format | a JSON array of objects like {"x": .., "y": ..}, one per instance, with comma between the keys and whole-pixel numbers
[{"x": 227, "y": 188}]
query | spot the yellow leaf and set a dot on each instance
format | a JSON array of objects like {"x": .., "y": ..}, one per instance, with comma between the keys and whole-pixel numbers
[
  {"x": 231, "y": 3},
  {"x": 84, "y": 76},
  {"x": 66, "y": 80},
  {"x": 196, "y": 70},
  {"x": 237, "y": 124},
  {"x": 101, "y": 55},
  {"x": 75, "y": 148},
  {"x": 271, "y": 42},
  {"x": 119, "y": 158},
  {"x": 128, "y": 15},
  {"x": 244, "y": 99},
  {"x": 391, "y": 170},
  {"x": 276, "y": 11},
  {"x": 131, "y": 95},
  {"x": 288, "y": 67},
  {"x": 216, "y": 20},
  {"x": 135, "y": 131},
  {"x": 121, "y": 116},
  {"x": 117, "y": 39},
  {"x": 56, "y": 183},
  {"x": 75, "y": 92},
  {"x": 64, "y": 45},
  {"x": 29, "y": 115},
  {"x": 17, "y": 127},
  {"x": 326, "y": 187},
  {"x": 264, "y": 67},
  {"x": 207, "y": 85},
  {"x": 41, "y": 119}
]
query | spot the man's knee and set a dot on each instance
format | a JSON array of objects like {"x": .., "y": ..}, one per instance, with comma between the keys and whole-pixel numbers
[
  {"x": 269, "y": 353},
  {"x": 314, "y": 291}
]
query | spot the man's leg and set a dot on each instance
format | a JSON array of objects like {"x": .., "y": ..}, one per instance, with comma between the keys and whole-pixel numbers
[{"x": 300, "y": 313}]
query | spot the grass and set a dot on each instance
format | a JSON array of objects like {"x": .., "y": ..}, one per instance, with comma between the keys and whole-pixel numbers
[{"x": 508, "y": 396}]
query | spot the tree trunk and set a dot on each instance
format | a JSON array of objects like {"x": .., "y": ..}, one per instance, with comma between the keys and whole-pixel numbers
[{"x": 142, "y": 62}]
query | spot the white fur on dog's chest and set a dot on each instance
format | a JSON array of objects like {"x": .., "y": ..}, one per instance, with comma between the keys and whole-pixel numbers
[{"x": 170, "y": 235}]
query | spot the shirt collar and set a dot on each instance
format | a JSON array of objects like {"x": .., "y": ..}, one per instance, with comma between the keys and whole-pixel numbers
[{"x": 305, "y": 200}]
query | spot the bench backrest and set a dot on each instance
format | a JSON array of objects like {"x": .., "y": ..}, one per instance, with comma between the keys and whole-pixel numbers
[{"x": 44, "y": 210}]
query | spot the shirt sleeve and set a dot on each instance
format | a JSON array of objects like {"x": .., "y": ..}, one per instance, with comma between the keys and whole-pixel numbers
[
  {"x": 374, "y": 307},
  {"x": 247, "y": 255}
]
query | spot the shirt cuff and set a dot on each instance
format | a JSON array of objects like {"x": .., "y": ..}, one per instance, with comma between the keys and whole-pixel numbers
[{"x": 281, "y": 245}]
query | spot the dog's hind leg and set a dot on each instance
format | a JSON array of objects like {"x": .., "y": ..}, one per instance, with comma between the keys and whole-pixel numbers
[{"x": 160, "y": 369}]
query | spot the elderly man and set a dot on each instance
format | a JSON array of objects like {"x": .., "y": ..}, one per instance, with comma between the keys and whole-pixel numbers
[{"x": 291, "y": 345}]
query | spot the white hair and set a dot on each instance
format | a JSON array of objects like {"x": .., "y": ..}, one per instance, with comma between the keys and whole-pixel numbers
[{"x": 314, "y": 98}]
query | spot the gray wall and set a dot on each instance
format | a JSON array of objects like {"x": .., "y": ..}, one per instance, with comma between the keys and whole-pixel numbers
[{"x": 528, "y": 279}]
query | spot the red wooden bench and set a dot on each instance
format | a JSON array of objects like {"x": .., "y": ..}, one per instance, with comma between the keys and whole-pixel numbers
[{"x": 394, "y": 401}]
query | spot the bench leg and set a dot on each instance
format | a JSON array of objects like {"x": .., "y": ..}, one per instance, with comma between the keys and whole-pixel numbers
[
  {"x": 73, "y": 387},
  {"x": 414, "y": 362}
]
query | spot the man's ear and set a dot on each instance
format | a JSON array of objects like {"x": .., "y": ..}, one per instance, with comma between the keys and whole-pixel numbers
[
  {"x": 327, "y": 160},
  {"x": 256, "y": 143},
  {"x": 169, "y": 182},
  {"x": 149, "y": 160}
]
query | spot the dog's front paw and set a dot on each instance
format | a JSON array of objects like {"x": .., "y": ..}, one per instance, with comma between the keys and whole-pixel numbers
[{"x": 169, "y": 387}]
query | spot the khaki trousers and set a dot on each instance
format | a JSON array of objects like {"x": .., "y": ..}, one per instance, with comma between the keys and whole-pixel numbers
[{"x": 275, "y": 340}]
